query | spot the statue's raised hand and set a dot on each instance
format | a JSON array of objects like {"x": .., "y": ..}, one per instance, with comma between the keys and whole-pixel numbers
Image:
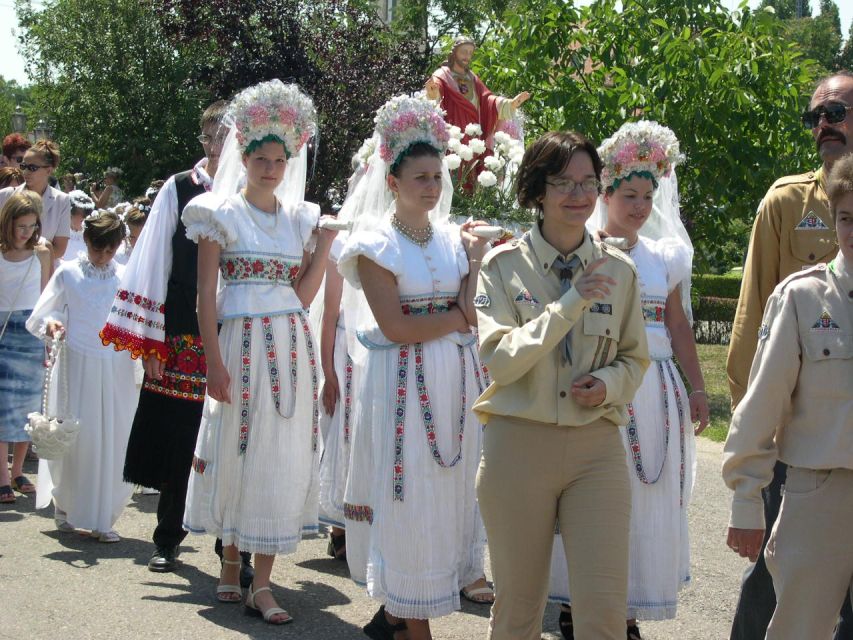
[
  {"x": 432, "y": 90},
  {"x": 520, "y": 99}
]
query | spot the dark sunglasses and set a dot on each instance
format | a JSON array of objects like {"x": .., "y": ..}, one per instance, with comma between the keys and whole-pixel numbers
[
  {"x": 834, "y": 114},
  {"x": 32, "y": 168}
]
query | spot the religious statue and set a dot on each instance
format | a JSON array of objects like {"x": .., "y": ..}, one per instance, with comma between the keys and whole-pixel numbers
[{"x": 464, "y": 97}]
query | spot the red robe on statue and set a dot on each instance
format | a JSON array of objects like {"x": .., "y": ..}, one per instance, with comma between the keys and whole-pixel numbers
[{"x": 461, "y": 111}]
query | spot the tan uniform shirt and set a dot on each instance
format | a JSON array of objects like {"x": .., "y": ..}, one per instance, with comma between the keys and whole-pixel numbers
[
  {"x": 799, "y": 403},
  {"x": 793, "y": 230},
  {"x": 523, "y": 318}
]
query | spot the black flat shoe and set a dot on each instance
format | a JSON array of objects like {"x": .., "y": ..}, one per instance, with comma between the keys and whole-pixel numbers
[
  {"x": 566, "y": 624},
  {"x": 634, "y": 632},
  {"x": 164, "y": 560},
  {"x": 380, "y": 629},
  {"x": 337, "y": 548}
]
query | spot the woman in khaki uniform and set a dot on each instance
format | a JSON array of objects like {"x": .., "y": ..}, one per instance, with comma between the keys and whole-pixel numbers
[{"x": 562, "y": 333}]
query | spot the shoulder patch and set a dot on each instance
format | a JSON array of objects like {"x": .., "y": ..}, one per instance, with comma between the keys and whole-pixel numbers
[
  {"x": 506, "y": 247},
  {"x": 802, "y": 178},
  {"x": 811, "y": 222},
  {"x": 482, "y": 301}
]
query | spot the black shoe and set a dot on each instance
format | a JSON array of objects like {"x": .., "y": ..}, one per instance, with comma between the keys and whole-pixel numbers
[
  {"x": 337, "y": 548},
  {"x": 634, "y": 632},
  {"x": 567, "y": 627},
  {"x": 163, "y": 560},
  {"x": 247, "y": 573},
  {"x": 380, "y": 629}
]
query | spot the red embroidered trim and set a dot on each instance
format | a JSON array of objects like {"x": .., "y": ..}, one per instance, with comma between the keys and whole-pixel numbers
[
  {"x": 123, "y": 340},
  {"x": 141, "y": 301},
  {"x": 358, "y": 513}
]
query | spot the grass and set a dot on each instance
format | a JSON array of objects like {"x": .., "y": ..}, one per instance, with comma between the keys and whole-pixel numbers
[{"x": 712, "y": 358}]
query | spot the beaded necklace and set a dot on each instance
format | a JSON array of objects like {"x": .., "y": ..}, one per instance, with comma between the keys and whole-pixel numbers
[{"x": 421, "y": 237}]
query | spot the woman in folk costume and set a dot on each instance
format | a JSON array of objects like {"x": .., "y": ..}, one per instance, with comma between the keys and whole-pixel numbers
[
  {"x": 338, "y": 388},
  {"x": 414, "y": 533},
  {"x": 86, "y": 484},
  {"x": 254, "y": 480},
  {"x": 640, "y": 206}
]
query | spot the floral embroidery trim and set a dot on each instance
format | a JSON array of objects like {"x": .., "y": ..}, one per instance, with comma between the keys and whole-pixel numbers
[
  {"x": 400, "y": 419},
  {"x": 258, "y": 269},
  {"x": 272, "y": 364},
  {"x": 199, "y": 465},
  {"x": 347, "y": 397},
  {"x": 141, "y": 301},
  {"x": 123, "y": 340},
  {"x": 654, "y": 310},
  {"x": 315, "y": 381},
  {"x": 245, "y": 369},
  {"x": 138, "y": 319},
  {"x": 185, "y": 373},
  {"x": 634, "y": 441},
  {"x": 358, "y": 512}
]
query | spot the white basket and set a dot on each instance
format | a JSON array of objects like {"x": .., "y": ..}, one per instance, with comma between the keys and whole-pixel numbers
[{"x": 53, "y": 436}]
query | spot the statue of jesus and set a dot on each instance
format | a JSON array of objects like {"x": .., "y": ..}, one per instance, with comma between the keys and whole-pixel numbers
[{"x": 464, "y": 97}]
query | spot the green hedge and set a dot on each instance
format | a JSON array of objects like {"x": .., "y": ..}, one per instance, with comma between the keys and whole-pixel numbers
[
  {"x": 714, "y": 286},
  {"x": 715, "y": 309}
]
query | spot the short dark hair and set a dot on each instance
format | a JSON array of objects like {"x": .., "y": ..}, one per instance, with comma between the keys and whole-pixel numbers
[
  {"x": 839, "y": 182},
  {"x": 416, "y": 150},
  {"x": 14, "y": 142},
  {"x": 548, "y": 156},
  {"x": 841, "y": 73},
  {"x": 214, "y": 113},
  {"x": 105, "y": 230}
]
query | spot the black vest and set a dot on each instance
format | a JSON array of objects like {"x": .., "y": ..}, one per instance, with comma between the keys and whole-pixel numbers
[{"x": 181, "y": 290}]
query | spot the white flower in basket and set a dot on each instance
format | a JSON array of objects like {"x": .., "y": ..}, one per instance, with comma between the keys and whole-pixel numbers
[
  {"x": 477, "y": 145},
  {"x": 473, "y": 130},
  {"x": 452, "y": 161},
  {"x": 52, "y": 436},
  {"x": 465, "y": 152},
  {"x": 487, "y": 179}
]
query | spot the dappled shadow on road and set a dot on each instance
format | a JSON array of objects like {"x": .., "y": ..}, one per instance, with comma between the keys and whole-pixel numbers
[
  {"x": 143, "y": 503},
  {"x": 326, "y": 565}
]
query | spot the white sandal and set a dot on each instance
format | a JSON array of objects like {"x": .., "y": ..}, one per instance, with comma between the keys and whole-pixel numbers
[
  {"x": 229, "y": 588},
  {"x": 267, "y": 615},
  {"x": 106, "y": 536},
  {"x": 60, "y": 519}
]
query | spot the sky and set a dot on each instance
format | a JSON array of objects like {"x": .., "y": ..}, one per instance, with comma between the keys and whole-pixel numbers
[{"x": 12, "y": 64}]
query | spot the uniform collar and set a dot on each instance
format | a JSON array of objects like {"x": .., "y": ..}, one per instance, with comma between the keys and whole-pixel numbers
[
  {"x": 546, "y": 253},
  {"x": 821, "y": 178}
]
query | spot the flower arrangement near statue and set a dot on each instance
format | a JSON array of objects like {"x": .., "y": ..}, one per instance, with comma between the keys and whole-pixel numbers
[{"x": 483, "y": 178}]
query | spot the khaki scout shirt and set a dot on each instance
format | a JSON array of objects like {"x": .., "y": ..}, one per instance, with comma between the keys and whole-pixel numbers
[
  {"x": 522, "y": 319},
  {"x": 799, "y": 403},
  {"x": 793, "y": 230}
]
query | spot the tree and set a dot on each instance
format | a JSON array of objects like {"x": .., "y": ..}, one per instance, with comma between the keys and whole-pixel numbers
[
  {"x": 788, "y": 9},
  {"x": 338, "y": 51},
  {"x": 818, "y": 37},
  {"x": 116, "y": 90},
  {"x": 845, "y": 58},
  {"x": 12, "y": 95},
  {"x": 727, "y": 83}
]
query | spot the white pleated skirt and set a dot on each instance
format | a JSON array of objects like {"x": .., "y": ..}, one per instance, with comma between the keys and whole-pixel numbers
[
  {"x": 87, "y": 482},
  {"x": 337, "y": 432},
  {"x": 255, "y": 473},
  {"x": 414, "y": 532},
  {"x": 660, "y": 545}
]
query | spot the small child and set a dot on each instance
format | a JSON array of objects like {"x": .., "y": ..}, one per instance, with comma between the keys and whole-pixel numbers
[
  {"x": 134, "y": 218},
  {"x": 81, "y": 206},
  {"x": 798, "y": 408},
  {"x": 25, "y": 266},
  {"x": 86, "y": 484}
]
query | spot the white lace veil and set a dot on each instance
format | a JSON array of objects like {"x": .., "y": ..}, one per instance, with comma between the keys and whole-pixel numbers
[
  {"x": 231, "y": 175},
  {"x": 664, "y": 222}
]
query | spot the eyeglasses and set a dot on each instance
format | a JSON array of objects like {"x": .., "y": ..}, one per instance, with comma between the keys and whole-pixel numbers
[
  {"x": 591, "y": 185},
  {"x": 32, "y": 168},
  {"x": 18, "y": 159},
  {"x": 834, "y": 114},
  {"x": 206, "y": 139}
]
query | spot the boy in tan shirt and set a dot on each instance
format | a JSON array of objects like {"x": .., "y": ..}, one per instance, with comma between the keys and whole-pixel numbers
[{"x": 798, "y": 408}]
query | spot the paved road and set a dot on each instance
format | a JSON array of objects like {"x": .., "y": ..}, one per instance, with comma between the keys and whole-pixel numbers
[{"x": 70, "y": 587}]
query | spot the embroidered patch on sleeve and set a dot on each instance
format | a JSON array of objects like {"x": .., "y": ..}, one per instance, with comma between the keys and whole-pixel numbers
[
  {"x": 482, "y": 301},
  {"x": 525, "y": 297},
  {"x": 763, "y": 332},
  {"x": 825, "y": 323},
  {"x": 811, "y": 222},
  {"x": 598, "y": 307}
]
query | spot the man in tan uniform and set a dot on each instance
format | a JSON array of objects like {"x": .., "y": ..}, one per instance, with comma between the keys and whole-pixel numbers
[
  {"x": 799, "y": 409},
  {"x": 792, "y": 231}
]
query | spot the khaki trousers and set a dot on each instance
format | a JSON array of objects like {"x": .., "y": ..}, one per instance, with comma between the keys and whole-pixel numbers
[
  {"x": 533, "y": 475},
  {"x": 810, "y": 553}
]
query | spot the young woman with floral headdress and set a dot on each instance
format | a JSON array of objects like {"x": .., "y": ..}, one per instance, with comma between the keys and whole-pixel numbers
[
  {"x": 254, "y": 478},
  {"x": 640, "y": 206},
  {"x": 414, "y": 534}
]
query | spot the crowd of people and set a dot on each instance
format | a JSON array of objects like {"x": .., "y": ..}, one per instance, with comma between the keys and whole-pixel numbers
[{"x": 425, "y": 394}]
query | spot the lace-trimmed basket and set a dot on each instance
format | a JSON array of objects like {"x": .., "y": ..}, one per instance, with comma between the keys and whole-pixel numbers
[{"x": 53, "y": 436}]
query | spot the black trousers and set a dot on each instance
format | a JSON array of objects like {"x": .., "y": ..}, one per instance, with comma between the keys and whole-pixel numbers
[{"x": 757, "y": 598}]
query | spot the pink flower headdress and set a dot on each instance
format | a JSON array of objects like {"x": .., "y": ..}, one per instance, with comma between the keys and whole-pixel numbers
[
  {"x": 273, "y": 110},
  {"x": 406, "y": 120},
  {"x": 643, "y": 148}
]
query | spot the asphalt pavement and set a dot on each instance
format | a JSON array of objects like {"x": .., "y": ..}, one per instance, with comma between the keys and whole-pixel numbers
[{"x": 68, "y": 586}]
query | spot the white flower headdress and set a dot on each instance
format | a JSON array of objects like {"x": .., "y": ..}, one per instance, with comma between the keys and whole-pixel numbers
[
  {"x": 273, "y": 110},
  {"x": 406, "y": 120},
  {"x": 642, "y": 148},
  {"x": 81, "y": 200}
]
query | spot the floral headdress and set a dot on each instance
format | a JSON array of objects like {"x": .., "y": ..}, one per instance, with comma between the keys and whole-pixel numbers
[
  {"x": 643, "y": 148},
  {"x": 407, "y": 120},
  {"x": 273, "y": 111},
  {"x": 80, "y": 200}
]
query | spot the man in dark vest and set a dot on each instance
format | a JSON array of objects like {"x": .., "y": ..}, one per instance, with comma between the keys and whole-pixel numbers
[{"x": 154, "y": 317}]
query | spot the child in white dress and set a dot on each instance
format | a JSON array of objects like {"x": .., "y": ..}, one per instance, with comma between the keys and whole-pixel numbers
[{"x": 86, "y": 483}]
